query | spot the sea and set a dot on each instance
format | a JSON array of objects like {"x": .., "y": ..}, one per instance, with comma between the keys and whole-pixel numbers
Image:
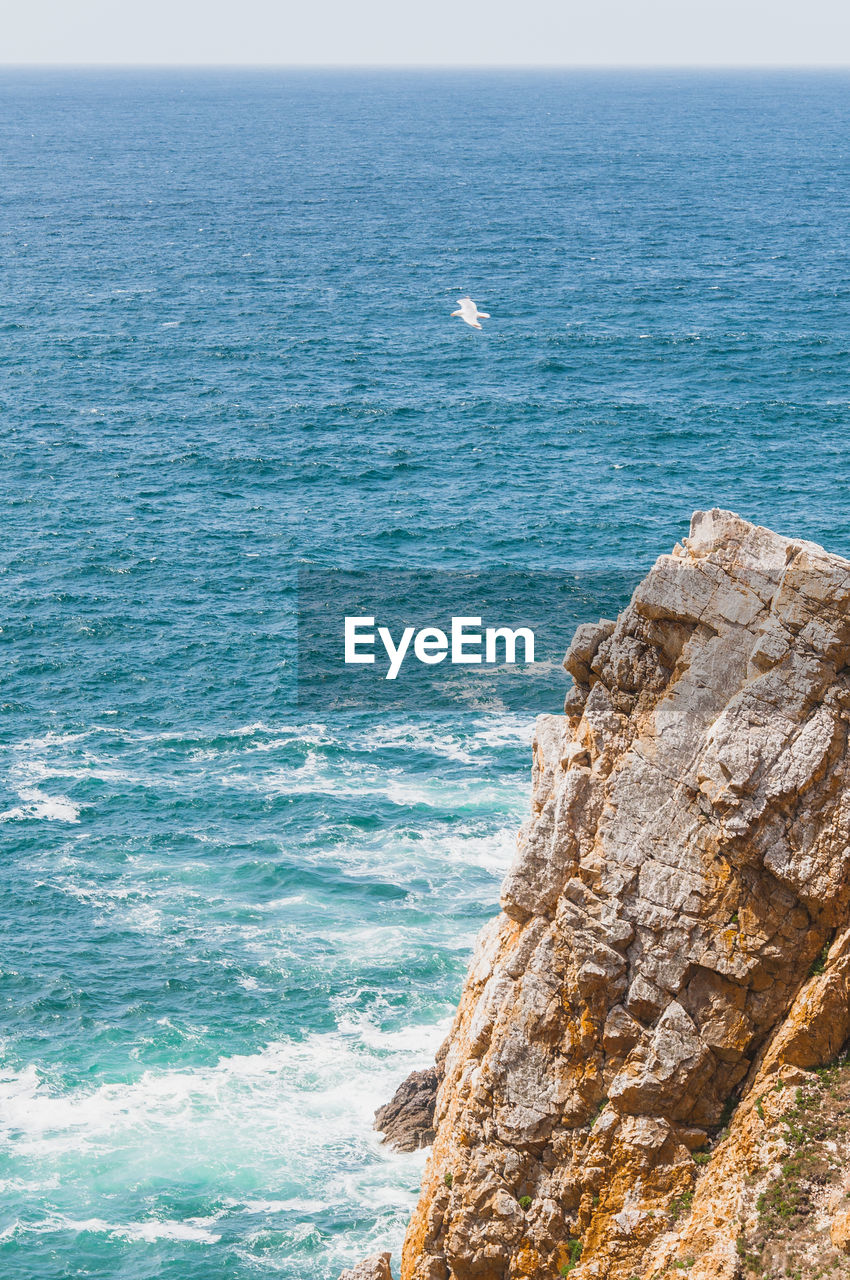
[{"x": 237, "y": 908}]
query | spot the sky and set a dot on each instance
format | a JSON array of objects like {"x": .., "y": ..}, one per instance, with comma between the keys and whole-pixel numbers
[{"x": 428, "y": 32}]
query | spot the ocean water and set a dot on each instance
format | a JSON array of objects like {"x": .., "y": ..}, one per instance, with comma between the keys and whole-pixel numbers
[{"x": 231, "y": 923}]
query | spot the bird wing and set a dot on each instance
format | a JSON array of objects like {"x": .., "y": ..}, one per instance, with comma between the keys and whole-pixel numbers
[{"x": 468, "y": 308}]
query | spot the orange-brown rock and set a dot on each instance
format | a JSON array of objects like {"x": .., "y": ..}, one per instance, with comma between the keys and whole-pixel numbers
[
  {"x": 377, "y": 1267},
  {"x": 686, "y": 862},
  {"x": 839, "y": 1230}
]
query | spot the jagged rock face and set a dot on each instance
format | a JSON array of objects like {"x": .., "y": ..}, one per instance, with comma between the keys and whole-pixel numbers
[
  {"x": 407, "y": 1120},
  {"x": 687, "y": 858}
]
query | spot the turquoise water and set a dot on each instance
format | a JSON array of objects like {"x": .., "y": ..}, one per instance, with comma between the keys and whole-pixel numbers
[{"x": 229, "y": 928}]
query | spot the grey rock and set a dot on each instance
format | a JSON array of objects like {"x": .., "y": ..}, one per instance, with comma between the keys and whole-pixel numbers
[
  {"x": 407, "y": 1120},
  {"x": 585, "y": 643}
]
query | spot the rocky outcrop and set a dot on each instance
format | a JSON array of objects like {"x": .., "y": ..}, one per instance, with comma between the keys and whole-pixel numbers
[
  {"x": 377, "y": 1267},
  {"x": 407, "y": 1120},
  {"x": 673, "y": 938}
]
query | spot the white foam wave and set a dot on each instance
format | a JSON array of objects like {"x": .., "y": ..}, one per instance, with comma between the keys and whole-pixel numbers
[
  {"x": 196, "y": 1230},
  {"x": 16, "y": 1186},
  {"x": 33, "y": 767},
  {"x": 357, "y": 780},
  {"x": 49, "y": 740},
  {"x": 39, "y": 806},
  {"x": 146, "y": 1231},
  {"x": 407, "y": 736},
  {"x": 284, "y": 1100},
  {"x": 493, "y": 851},
  {"x": 418, "y": 1042},
  {"x": 439, "y": 794},
  {"x": 503, "y": 731},
  {"x": 432, "y": 857},
  {"x": 297, "y": 1204}
]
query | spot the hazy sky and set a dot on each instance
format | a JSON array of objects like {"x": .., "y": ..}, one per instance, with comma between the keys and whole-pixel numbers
[{"x": 444, "y": 32}]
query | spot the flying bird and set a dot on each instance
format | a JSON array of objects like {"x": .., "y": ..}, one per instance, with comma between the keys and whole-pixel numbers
[{"x": 470, "y": 313}]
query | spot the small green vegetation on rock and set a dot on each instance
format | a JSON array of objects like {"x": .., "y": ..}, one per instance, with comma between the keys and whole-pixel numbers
[
  {"x": 681, "y": 1205},
  {"x": 790, "y": 1235},
  {"x": 728, "y": 1111},
  {"x": 575, "y": 1257},
  {"x": 819, "y": 963},
  {"x": 598, "y": 1112}
]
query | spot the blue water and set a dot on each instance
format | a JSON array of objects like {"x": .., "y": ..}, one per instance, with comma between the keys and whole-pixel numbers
[{"x": 229, "y": 928}]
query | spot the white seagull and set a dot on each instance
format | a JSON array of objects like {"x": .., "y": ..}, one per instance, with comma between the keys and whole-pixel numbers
[{"x": 470, "y": 313}]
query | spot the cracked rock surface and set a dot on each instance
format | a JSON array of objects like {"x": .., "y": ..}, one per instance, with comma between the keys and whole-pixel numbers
[
  {"x": 407, "y": 1120},
  {"x": 685, "y": 864}
]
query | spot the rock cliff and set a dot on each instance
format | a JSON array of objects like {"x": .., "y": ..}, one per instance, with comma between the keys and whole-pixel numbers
[{"x": 673, "y": 953}]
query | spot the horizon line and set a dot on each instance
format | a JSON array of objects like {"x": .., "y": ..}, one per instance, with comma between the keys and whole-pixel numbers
[{"x": 425, "y": 66}]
